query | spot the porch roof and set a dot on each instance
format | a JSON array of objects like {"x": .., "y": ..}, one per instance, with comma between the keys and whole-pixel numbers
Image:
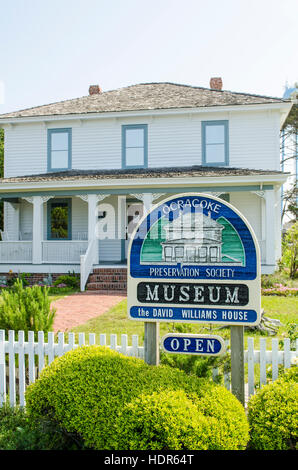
[
  {"x": 141, "y": 173},
  {"x": 150, "y": 180}
]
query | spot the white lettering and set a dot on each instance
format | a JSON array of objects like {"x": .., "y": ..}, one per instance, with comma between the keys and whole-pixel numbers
[
  {"x": 152, "y": 295},
  {"x": 174, "y": 344},
  {"x": 185, "y": 294},
  {"x": 198, "y": 293},
  {"x": 232, "y": 298},
  {"x": 211, "y": 288},
  {"x": 199, "y": 345},
  {"x": 187, "y": 342}
]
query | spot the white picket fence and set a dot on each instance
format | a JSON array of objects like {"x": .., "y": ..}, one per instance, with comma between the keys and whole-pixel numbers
[{"x": 31, "y": 357}]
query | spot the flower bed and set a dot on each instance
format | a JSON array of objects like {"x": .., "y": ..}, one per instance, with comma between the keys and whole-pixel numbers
[{"x": 280, "y": 290}]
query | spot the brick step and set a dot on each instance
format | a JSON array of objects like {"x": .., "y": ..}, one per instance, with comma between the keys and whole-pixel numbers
[
  {"x": 107, "y": 286},
  {"x": 107, "y": 277},
  {"x": 105, "y": 292},
  {"x": 110, "y": 271}
]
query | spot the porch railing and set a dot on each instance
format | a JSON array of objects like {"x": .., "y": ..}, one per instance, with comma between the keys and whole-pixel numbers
[
  {"x": 63, "y": 251},
  {"x": 16, "y": 252},
  {"x": 87, "y": 261}
]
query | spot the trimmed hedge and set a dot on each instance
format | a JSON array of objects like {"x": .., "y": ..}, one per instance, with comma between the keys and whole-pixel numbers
[
  {"x": 165, "y": 420},
  {"x": 273, "y": 414},
  {"x": 89, "y": 391}
]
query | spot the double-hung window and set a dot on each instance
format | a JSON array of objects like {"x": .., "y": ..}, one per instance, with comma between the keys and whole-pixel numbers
[
  {"x": 59, "y": 149},
  {"x": 135, "y": 146},
  {"x": 215, "y": 143},
  {"x": 59, "y": 219}
]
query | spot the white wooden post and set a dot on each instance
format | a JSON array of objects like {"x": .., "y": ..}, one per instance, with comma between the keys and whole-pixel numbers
[
  {"x": 270, "y": 227},
  {"x": 37, "y": 229},
  {"x": 15, "y": 220},
  {"x": 122, "y": 220},
  {"x": 147, "y": 201},
  {"x": 92, "y": 221},
  {"x": 92, "y": 203}
]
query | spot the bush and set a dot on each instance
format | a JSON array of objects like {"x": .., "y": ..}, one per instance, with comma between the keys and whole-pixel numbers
[
  {"x": 27, "y": 309},
  {"x": 69, "y": 281},
  {"x": 165, "y": 420},
  {"x": 18, "y": 432},
  {"x": 273, "y": 414},
  {"x": 86, "y": 389}
]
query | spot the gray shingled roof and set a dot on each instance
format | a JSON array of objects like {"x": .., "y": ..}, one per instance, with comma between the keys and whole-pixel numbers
[
  {"x": 180, "y": 172},
  {"x": 145, "y": 96}
]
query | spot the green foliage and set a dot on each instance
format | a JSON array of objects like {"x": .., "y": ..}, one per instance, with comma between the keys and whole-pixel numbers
[
  {"x": 18, "y": 432},
  {"x": 191, "y": 364},
  {"x": 27, "y": 309},
  {"x": 86, "y": 390},
  {"x": 290, "y": 250},
  {"x": 273, "y": 414},
  {"x": 69, "y": 281},
  {"x": 171, "y": 420},
  {"x": 166, "y": 420}
]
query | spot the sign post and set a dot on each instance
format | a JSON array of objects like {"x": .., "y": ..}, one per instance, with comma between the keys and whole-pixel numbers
[
  {"x": 151, "y": 343},
  {"x": 193, "y": 258},
  {"x": 237, "y": 362}
]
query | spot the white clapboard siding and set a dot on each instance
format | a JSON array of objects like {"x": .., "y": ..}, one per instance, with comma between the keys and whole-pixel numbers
[
  {"x": 172, "y": 141},
  {"x": 33, "y": 356}
]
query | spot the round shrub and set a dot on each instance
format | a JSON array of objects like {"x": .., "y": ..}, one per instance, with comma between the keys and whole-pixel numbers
[
  {"x": 273, "y": 414},
  {"x": 166, "y": 420},
  {"x": 86, "y": 390}
]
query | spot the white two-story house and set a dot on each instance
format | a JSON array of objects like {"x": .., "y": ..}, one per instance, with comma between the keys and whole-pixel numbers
[{"x": 109, "y": 156}]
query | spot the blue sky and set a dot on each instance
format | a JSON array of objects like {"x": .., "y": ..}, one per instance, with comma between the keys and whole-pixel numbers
[{"x": 53, "y": 50}]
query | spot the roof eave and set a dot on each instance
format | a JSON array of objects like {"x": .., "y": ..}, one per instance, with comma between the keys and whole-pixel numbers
[
  {"x": 138, "y": 183},
  {"x": 283, "y": 107}
]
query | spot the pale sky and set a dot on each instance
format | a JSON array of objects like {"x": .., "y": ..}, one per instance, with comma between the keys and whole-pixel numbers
[{"x": 52, "y": 50}]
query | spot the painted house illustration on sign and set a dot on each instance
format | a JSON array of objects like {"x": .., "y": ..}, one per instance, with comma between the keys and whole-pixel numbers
[{"x": 193, "y": 238}]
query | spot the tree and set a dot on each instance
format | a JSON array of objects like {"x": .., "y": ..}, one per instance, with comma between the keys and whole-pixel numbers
[
  {"x": 289, "y": 144},
  {"x": 1, "y": 172},
  {"x": 290, "y": 250}
]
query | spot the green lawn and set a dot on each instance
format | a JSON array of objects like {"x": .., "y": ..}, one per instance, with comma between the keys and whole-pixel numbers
[{"x": 116, "y": 321}]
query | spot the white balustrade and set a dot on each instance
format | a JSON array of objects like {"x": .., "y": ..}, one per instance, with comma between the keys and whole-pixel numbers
[
  {"x": 16, "y": 252},
  {"x": 63, "y": 251}
]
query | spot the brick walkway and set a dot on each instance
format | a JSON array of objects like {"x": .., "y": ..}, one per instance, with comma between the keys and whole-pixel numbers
[{"x": 77, "y": 309}]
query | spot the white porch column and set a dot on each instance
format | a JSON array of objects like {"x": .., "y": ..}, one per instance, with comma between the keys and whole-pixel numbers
[
  {"x": 147, "y": 201},
  {"x": 92, "y": 221},
  {"x": 121, "y": 224},
  {"x": 92, "y": 215},
  {"x": 270, "y": 226},
  {"x": 15, "y": 221},
  {"x": 37, "y": 229}
]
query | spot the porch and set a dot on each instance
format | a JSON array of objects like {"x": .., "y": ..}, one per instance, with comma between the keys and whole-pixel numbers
[{"x": 33, "y": 241}]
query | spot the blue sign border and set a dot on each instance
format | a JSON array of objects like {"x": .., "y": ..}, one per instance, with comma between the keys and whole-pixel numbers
[{"x": 138, "y": 270}]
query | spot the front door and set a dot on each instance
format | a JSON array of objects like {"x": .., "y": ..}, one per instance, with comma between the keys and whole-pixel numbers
[{"x": 134, "y": 212}]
